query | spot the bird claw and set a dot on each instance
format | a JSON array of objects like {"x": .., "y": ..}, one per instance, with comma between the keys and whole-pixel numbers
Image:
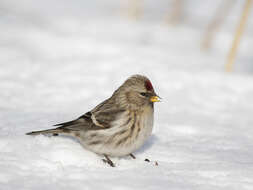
[
  {"x": 108, "y": 161},
  {"x": 133, "y": 156}
]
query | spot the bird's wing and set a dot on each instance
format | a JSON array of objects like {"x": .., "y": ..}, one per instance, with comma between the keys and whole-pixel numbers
[
  {"x": 84, "y": 122},
  {"x": 105, "y": 113},
  {"x": 80, "y": 120},
  {"x": 101, "y": 117},
  {"x": 104, "y": 118}
]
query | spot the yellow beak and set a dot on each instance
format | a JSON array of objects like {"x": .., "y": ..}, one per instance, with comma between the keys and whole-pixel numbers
[{"x": 154, "y": 99}]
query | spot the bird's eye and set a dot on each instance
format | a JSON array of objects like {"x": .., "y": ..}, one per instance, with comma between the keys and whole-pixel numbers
[{"x": 144, "y": 94}]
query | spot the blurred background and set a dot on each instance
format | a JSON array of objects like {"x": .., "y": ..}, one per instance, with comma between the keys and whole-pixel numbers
[
  {"x": 79, "y": 43},
  {"x": 57, "y": 55}
]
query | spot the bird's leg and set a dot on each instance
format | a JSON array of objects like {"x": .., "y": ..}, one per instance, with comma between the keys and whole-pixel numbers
[
  {"x": 108, "y": 161},
  {"x": 133, "y": 156}
]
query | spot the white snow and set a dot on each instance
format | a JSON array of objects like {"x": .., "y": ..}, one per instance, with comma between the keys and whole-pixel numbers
[{"x": 61, "y": 58}]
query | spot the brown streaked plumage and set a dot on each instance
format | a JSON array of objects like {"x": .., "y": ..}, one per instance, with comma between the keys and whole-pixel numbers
[{"x": 119, "y": 125}]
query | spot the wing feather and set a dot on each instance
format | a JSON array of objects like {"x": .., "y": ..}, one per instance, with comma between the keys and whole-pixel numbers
[{"x": 101, "y": 117}]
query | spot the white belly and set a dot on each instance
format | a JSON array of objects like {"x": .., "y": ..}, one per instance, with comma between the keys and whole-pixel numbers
[{"x": 131, "y": 144}]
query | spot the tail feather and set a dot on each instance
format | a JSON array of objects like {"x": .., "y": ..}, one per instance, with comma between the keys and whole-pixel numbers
[{"x": 48, "y": 131}]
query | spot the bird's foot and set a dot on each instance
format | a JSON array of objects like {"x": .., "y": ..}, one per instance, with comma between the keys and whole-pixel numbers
[
  {"x": 133, "y": 156},
  {"x": 108, "y": 161}
]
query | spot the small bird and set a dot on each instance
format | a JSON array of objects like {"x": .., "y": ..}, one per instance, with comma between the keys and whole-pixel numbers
[{"x": 119, "y": 125}]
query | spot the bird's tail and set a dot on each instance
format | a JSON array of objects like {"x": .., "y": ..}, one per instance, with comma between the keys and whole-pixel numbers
[{"x": 55, "y": 131}]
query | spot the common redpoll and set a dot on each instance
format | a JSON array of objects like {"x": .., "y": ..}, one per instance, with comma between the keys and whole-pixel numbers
[{"x": 119, "y": 125}]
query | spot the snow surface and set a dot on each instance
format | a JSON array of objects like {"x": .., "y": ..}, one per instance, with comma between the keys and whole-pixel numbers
[{"x": 61, "y": 58}]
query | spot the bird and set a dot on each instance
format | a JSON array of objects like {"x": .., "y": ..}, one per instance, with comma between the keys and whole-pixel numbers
[{"x": 118, "y": 126}]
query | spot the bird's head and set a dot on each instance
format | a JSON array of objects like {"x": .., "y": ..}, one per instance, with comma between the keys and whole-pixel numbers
[{"x": 136, "y": 92}]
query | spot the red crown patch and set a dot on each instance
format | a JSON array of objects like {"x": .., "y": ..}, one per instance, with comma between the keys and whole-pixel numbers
[{"x": 148, "y": 85}]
